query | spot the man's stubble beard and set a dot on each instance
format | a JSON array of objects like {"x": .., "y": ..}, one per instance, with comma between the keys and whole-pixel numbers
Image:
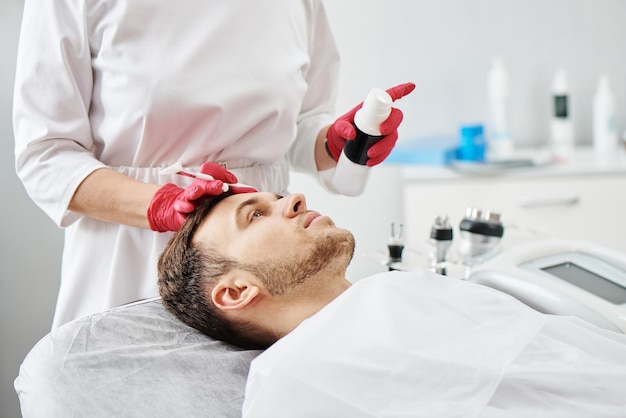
[{"x": 331, "y": 252}]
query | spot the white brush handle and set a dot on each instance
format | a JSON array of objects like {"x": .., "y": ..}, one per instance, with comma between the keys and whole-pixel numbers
[{"x": 201, "y": 176}]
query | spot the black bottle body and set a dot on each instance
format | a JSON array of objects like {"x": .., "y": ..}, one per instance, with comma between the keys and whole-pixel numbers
[{"x": 356, "y": 149}]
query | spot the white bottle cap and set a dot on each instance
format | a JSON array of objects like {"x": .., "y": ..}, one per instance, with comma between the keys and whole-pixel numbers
[
  {"x": 560, "y": 86},
  {"x": 499, "y": 85},
  {"x": 604, "y": 87},
  {"x": 375, "y": 110}
]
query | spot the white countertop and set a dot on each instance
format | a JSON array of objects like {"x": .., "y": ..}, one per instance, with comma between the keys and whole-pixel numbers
[{"x": 527, "y": 163}]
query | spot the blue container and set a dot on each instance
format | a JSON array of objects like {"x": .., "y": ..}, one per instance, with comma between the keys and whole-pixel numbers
[{"x": 471, "y": 143}]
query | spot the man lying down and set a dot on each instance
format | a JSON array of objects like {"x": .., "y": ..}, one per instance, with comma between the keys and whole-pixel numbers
[{"x": 259, "y": 270}]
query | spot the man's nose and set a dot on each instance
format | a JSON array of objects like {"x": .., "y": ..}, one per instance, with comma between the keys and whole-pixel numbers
[{"x": 294, "y": 205}]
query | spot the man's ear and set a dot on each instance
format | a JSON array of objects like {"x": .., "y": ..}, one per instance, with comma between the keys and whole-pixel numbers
[{"x": 235, "y": 290}]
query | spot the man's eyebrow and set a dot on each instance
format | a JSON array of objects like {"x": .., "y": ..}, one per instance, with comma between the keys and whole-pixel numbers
[
  {"x": 249, "y": 202},
  {"x": 240, "y": 208}
]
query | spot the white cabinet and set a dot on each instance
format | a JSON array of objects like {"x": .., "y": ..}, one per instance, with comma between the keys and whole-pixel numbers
[{"x": 583, "y": 200}]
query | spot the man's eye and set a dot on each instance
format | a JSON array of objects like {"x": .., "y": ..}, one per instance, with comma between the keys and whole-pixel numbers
[{"x": 256, "y": 214}]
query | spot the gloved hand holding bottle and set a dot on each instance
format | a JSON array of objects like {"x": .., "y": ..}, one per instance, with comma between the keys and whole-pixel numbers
[
  {"x": 171, "y": 204},
  {"x": 343, "y": 129},
  {"x": 364, "y": 137}
]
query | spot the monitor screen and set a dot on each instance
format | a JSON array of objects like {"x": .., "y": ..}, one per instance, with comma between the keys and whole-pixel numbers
[{"x": 590, "y": 281}]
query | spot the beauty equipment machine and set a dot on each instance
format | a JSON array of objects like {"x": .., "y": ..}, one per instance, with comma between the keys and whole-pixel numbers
[{"x": 562, "y": 277}]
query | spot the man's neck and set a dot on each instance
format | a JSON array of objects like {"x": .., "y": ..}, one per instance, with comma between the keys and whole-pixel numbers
[{"x": 289, "y": 312}]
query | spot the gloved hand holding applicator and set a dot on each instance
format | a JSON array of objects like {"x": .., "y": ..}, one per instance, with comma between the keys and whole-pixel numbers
[{"x": 171, "y": 204}]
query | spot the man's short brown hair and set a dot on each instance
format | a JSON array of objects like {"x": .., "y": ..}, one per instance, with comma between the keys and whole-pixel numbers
[{"x": 188, "y": 272}]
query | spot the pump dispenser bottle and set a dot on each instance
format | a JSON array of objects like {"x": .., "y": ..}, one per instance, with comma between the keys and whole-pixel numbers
[
  {"x": 561, "y": 129},
  {"x": 351, "y": 173}
]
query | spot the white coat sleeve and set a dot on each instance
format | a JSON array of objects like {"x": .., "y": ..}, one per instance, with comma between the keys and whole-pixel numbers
[
  {"x": 54, "y": 147},
  {"x": 318, "y": 106}
]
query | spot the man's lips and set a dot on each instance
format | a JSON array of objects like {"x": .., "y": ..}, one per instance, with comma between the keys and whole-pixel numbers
[{"x": 310, "y": 217}]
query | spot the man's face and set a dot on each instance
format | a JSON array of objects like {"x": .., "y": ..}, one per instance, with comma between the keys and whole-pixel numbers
[{"x": 277, "y": 238}]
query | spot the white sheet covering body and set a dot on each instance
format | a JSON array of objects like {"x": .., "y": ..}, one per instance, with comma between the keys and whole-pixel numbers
[
  {"x": 137, "y": 85},
  {"x": 415, "y": 344}
]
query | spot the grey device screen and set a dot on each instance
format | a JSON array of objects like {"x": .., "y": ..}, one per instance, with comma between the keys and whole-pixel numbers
[{"x": 589, "y": 281}]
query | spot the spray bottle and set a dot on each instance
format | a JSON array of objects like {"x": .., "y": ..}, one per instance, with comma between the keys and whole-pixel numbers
[
  {"x": 351, "y": 173},
  {"x": 500, "y": 140},
  {"x": 605, "y": 138}
]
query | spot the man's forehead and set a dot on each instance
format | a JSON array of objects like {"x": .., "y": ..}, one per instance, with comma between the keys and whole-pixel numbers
[
  {"x": 232, "y": 202},
  {"x": 227, "y": 207},
  {"x": 222, "y": 217}
]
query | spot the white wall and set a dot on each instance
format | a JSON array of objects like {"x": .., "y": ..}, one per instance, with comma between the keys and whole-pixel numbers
[
  {"x": 30, "y": 245},
  {"x": 444, "y": 46}
]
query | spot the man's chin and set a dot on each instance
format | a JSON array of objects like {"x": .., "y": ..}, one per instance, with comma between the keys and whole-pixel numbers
[
  {"x": 344, "y": 242},
  {"x": 329, "y": 255}
]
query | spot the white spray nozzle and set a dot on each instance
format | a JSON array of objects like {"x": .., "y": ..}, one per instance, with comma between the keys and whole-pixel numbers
[{"x": 375, "y": 110}]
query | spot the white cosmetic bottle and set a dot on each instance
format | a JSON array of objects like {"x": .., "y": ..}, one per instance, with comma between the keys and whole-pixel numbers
[
  {"x": 499, "y": 138},
  {"x": 605, "y": 138},
  {"x": 561, "y": 129},
  {"x": 351, "y": 173}
]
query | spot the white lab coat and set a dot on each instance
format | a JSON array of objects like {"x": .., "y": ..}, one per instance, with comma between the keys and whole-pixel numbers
[
  {"x": 137, "y": 85},
  {"x": 414, "y": 344}
]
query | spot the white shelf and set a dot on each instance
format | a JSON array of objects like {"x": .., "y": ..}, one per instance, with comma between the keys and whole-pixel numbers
[{"x": 584, "y": 162}]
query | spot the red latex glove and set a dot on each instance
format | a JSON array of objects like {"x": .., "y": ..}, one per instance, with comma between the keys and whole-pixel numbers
[
  {"x": 171, "y": 204},
  {"x": 343, "y": 129}
]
